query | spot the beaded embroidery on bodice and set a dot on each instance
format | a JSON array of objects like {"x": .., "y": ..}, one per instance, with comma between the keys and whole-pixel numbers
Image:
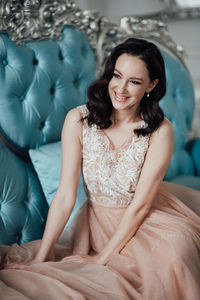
[{"x": 111, "y": 175}]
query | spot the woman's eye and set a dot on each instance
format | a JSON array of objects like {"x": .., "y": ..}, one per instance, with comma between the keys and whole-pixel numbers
[
  {"x": 135, "y": 82},
  {"x": 116, "y": 75}
]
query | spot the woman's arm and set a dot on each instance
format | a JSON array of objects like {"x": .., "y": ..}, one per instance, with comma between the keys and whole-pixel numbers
[
  {"x": 154, "y": 168},
  {"x": 65, "y": 197}
]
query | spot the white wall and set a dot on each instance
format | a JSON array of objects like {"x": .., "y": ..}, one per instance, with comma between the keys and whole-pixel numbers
[
  {"x": 115, "y": 9},
  {"x": 185, "y": 33}
]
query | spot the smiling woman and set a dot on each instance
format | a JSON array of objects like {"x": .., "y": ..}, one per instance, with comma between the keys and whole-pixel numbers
[
  {"x": 132, "y": 76},
  {"x": 129, "y": 85}
]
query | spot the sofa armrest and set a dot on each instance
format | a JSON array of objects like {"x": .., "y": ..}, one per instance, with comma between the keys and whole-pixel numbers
[
  {"x": 23, "y": 207},
  {"x": 193, "y": 148}
]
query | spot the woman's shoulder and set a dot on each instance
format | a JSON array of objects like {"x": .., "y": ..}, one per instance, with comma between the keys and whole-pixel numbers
[
  {"x": 166, "y": 127},
  {"x": 73, "y": 121},
  {"x": 76, "y": 114},
  {"x": 165, "y": 131},
  {"x": 73, "y": 116},
  {"x": 82, "y": 110}
]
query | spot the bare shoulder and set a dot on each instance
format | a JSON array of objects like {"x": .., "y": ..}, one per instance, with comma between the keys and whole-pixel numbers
[
  {"x": 74, "y": 116},
  {"x": 73, "y": 122},
  {"x": 164, "y": 132},
  {"x": 162, "y": 142},
  {"x": 165, "y": 127}
]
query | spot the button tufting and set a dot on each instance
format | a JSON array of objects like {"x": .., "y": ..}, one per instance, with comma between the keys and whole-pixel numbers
[
  {"x": 52, "y": 90},
  {"x": 76, "y": 82},
  {"x": 22, "y": 97},
  {"x": 42, "y": 124},
  {"x": 60, "y": 55},
  {"x": 35, "y": 61},
  {"x": 83, "y": 50},
  {"x": 18, "y": 236},
  {"x": 4, "y": 61}
]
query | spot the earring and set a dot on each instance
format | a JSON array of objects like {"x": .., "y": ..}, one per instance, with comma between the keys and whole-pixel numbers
[{"x": 148, "y": 95}]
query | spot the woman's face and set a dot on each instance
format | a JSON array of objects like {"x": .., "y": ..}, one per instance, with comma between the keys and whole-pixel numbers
[{"x": 129, "y": 83}]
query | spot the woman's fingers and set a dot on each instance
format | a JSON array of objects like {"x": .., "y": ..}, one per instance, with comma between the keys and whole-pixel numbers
[
  {"x": 14, "y": 266},
  {"x": 76, "y": 258},
  {"x": 71, "y": 258},
  {"x": 20, "y": 265}
]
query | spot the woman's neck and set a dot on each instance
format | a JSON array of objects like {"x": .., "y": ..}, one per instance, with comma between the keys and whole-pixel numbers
[{"x": 125, "y": 117}]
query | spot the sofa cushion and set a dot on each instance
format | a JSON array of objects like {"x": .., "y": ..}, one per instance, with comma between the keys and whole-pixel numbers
[
  {"x": 193, "y": 148},
  {"x": 189, "y": 181},
  {"x": 178, "y": 106},
  {"x": 23, "y": 207},
  {"x": 47, "y": 163},
  {"x": 40, "y": 82}
]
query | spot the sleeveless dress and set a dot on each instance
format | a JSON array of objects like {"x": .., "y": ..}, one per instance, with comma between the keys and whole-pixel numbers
[{"x": 160, "y": 262}]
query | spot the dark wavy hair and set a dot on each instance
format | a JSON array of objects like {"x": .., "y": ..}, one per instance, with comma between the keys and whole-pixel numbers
[{"x": 99, "y": 103}]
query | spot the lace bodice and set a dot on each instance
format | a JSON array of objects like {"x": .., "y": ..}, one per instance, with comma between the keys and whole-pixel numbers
[{"x": 111, "y": 175}]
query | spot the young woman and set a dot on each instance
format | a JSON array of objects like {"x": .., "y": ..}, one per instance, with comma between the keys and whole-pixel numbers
[{"x": 133, "y": 238}]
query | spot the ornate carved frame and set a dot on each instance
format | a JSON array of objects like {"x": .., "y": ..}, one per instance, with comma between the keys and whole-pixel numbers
[{"x": 27, "y": 20}]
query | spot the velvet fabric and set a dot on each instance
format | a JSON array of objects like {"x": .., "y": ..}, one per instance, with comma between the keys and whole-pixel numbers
[
  {"x": 22, "y": 202},
  {"x": 47, "y": 163},
  {"x": 40, "y": 82}
]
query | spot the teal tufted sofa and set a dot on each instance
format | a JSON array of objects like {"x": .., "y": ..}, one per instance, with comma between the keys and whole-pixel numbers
[
  {"x": 178, "y": 106},
  {"x": 40, "y": 81}
]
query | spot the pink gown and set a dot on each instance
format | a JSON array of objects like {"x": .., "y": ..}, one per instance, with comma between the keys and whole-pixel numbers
[{"x": 160, "y": 262}]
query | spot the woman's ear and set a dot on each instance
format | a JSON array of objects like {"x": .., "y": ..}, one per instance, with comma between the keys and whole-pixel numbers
[{"x": 152, "y": 85}]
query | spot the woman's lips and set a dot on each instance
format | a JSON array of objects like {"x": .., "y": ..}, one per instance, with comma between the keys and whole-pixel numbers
[{"x": 120, "y": 98}]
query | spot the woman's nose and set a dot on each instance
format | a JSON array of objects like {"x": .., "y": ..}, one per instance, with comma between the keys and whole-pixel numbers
[{"x": 122, "y": 86}]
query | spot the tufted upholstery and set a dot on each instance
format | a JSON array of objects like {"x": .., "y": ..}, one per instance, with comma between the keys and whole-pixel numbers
[
  {"x": 193, "y": 147},
  {"x": 178, "y": 106},
  {"x": 23, "y": 207},
  {"x": 40, "y": 82}
]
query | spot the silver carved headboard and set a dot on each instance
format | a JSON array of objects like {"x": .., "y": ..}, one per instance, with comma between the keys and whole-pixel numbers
[{"x": 27, "y": 20}]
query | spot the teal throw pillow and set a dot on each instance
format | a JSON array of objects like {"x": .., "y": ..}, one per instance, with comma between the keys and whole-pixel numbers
[{"x": 47, "y": 163}]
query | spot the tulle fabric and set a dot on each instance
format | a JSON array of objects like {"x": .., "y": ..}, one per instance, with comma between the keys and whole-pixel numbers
[{"x": 160, "y": 262}]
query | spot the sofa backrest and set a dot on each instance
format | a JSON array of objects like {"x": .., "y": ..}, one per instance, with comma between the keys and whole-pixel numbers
[
  {"x": 178, "y": 106},
  {"x": 23, "y": 207},
  {"x": 40, "y": 82}
]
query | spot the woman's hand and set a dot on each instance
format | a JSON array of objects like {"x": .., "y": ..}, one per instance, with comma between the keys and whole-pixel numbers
[
  {"x": 86, "y": 259},
  {"x": 20, "y": 265}
]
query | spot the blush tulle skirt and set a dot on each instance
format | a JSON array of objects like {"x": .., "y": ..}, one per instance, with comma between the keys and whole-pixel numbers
[{"x": 160, "y": 262}]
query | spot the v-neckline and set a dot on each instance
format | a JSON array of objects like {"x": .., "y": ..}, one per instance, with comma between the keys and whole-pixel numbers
[
  {"x": 130, "y": 138},
  {"x": 110, "y": 143}
]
